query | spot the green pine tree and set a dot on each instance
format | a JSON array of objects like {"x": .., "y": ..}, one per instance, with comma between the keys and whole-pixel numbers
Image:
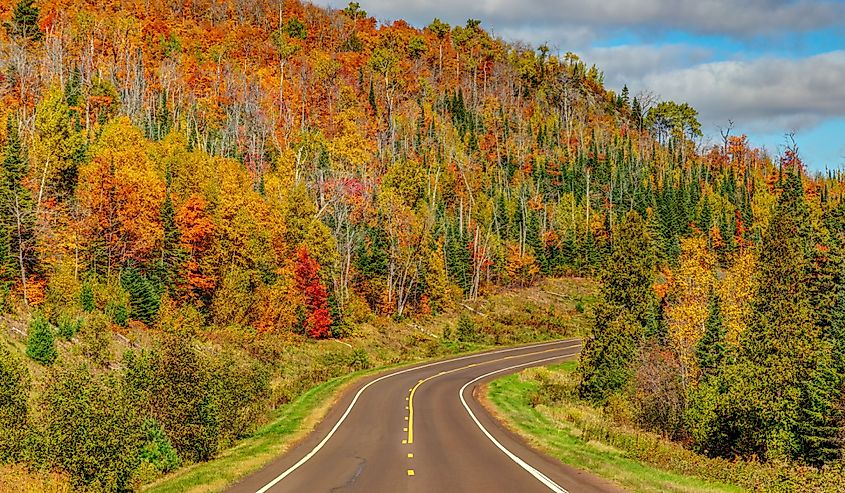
[
  {"x": 143, "y": 299},
  {"x": 786, "y": 414},
  {"x": 24, "y": 23},
  {"x": 41, "y": 344},
  {"x": 710, "y": 353},
  {"x": 625, "y": 314}
]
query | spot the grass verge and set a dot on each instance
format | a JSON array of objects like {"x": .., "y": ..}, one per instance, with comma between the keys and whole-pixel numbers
[{"x": 555, "y": 430}]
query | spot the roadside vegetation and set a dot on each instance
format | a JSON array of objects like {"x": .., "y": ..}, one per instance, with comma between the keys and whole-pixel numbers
[
  {"x": 543, "y": 405},
  {"x": 253, "y": 403}
]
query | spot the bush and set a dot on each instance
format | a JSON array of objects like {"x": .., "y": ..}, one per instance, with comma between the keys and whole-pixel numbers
[
  {"x": 90, "y": 430},
  {"x": 466, "y": 329},
  {"x": 118, "y": 314},
  {"x": 659, "y": 400},
  {"x": 242, "y": 389},
  {"x": 96, "y": 338},
  {"x": 360, "y": 360},
  {"x": 173, "y": 384},
  {"x": 554, "y": 388},
  {"x": 157, "y": 450},
  {"x": 68, "y": 325},
  {"x": 14, "y": 411},
  {"x": 41, "y": 344}
]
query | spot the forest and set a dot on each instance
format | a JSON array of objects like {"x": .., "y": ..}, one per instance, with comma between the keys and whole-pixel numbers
[{"x": 213, "y": 182}]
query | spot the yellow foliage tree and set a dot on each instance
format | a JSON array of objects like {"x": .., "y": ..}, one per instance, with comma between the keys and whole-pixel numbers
[
  {"x": 736, "y": 293},
  {"x": 693, "y": 283},
  {"x": 122, "y": 195}
]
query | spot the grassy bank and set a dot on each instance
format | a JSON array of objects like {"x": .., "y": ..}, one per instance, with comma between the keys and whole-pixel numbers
[
  {"x": 561, "y": 431},
  {"x": 541, "y": 405}
]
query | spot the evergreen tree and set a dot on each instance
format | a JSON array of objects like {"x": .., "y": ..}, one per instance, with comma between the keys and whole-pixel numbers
[
  {"x": 625, "y": 314},
  {"x": 172, "y": 254},
  {"x": 372, "y": 99},
  {"x": 86, "y": 297},
  {"x": 710, "y": 353},
  {"x": 41, "y": 344},
  {"x": 786, "y": 414},
  {"x": 16, "y": 206},
  {"x": 143, "y": 299},
  {"x": 24, "y": 23}
]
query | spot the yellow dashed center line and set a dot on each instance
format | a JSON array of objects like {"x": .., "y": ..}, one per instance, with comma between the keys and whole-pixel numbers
[
  {"x": 410, "y": 472},
  {"x": 410, "y": 398}
]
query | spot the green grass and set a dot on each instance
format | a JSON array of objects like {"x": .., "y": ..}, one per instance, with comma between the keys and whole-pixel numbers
[{"x": 548, "y": 429}]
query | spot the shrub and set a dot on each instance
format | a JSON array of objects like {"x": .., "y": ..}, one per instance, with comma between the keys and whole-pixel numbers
[
  {"x": 118, "y": 314},
  {"x": 14, "y": 411},
  {"x": 68, "y": 325},
  {"x": 466, "y": 329},
  {"x": 41, "y": 344},
  {"x": 659, "y": 399},
  {"x": 448, "y": 333},
  {"x": 242, "y": 388},
  {"x": 90, "y": 430},
  {"x": 173, "y": 383},
  {"x": 157, "y": 450},
  {"x": 96, "y": 337},
  {"x": 360, "y": 360}
]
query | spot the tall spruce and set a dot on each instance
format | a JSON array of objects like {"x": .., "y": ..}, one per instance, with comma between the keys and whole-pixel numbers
[
  {"x": 783, "y": 382},
  {"x": 16, "y": 206},
  {"x": 24, "y": 23},
  {"x": 710, "y": 353},
  {"x": 625, "y": 313}
]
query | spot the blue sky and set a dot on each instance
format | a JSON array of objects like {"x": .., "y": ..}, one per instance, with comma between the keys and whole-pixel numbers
[{"x": 770, "y": 66}]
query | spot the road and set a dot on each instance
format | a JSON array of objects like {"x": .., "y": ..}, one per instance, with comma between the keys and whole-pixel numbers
[{"x": 421, "y": 430}]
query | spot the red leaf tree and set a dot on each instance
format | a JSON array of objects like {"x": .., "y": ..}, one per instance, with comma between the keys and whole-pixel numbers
[{"x": 317, "y": 319}]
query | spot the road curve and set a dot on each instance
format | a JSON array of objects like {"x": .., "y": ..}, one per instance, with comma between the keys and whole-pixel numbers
[{"x": 421, "y": 430}]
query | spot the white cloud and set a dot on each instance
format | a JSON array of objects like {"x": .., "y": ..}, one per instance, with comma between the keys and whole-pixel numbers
[
  {"x": 631, "y": 63},
  {"x": 765, "y": 95}
]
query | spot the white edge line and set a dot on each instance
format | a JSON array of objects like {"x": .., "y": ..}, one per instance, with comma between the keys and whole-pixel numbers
[
  {"x": 521, "y": 463},
  {"x": 334, "y": 429}
]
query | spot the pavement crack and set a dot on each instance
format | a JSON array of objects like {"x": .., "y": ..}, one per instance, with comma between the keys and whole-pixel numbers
[{"x": 362, "y": 462}]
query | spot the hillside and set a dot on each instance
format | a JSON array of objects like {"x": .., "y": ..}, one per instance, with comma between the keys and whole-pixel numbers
[{"x": 194, "y": 192}]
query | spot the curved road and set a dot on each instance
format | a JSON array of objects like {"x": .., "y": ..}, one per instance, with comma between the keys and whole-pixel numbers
[{"x": 421, "y": 430}]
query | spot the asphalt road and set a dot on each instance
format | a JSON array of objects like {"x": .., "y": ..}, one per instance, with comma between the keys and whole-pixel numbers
[{"x": 422, "y": 430}]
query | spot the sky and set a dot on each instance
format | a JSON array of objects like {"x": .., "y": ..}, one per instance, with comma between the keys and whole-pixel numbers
[{"x": 772, "y": 67}]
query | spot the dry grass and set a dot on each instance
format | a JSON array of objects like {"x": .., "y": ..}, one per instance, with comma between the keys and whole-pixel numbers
[{"x": 17, "y": 479}]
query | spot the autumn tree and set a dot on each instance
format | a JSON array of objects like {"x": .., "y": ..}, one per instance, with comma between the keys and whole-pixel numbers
[
  {"x": 317, "y": 322},
  {"x": 122, "y": 195},
  {"x": 689, "y": 304}
]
